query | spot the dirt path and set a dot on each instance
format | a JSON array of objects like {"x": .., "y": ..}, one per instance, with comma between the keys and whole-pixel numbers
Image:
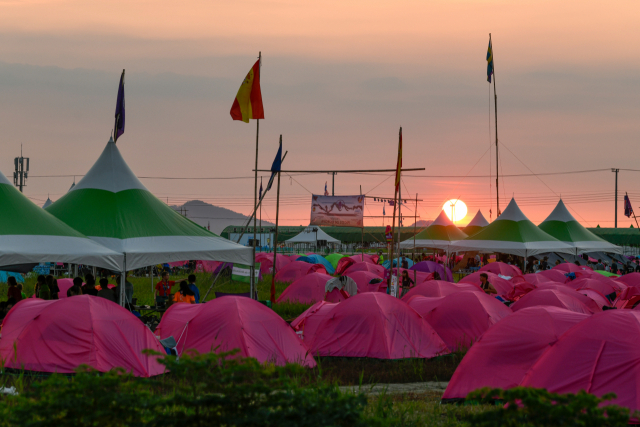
[{"x": 398, "y": 388}]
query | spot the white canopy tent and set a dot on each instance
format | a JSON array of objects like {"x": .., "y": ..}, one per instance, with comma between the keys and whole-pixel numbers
[{"x": 311, "y": 235}]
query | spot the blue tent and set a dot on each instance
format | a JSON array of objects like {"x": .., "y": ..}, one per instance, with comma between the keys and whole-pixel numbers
[
  {"x": 395, "y": 262},
  {"x": 4, "y": 275},
  {"x": 318, "y": 259}
]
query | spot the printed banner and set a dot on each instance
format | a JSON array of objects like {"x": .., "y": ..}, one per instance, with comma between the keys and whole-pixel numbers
[
  {"x": 242, "y": 272},
  {"x": 337, "y": 211}
]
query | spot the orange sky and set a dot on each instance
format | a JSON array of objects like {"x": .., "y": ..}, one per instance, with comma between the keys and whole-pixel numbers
[{"x": 339, "y": 78}]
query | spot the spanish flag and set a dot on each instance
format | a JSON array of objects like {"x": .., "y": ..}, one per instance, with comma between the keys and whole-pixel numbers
[
  {"x": 248, "y": 102},
  {"x": 399, "y": 164}
]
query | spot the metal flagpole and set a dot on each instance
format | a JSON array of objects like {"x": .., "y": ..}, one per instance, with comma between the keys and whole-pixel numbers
[
  {"x": 393, "y": 223},
  {"x": 261, "y": 215},
  {"x": 275, "y": 241},
  {"x": 495, "y": 104},
  {"x": 362, "y": 242},
  {"x": 415, "y": 222},
  {"x": 255, "y": 204}
]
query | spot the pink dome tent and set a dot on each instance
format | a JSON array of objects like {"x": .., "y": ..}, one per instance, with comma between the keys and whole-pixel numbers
[
  {"x": 375, "y": 325},
  {"x": 365, "y": 266},
  {"x": 491, "y": 363},
  {"x": 502, "y": 286},
  {"x": 266, "y": 263},
  {"x": 308, "y": 322},
  {"x": 438, "y": 288},
  {"x": 224, "y": 324},
  {"x": 420, "y": 276},
  {"x": 347, "y": 262},
  {"x": 555, "y": 275},
  {"x": 538, "y": 278},
  {"x": 604, "y": 287},
  {"x": 632, "y": 279},
  {"x": 310, "y": 289},
  {"x": 460, "y": 318},
  {"x": 501, "y": 268},
  {"x": 363, "y": 279},
  {"x": 433, "y": 267},
  {"x": 596, "y": 296},
  {"x": 519, "y": 290},
  {"x": 567, "y": 299},
  {"x": 60, "y": 335},
  {"x": 598, "y": 355},
  {"x": 297, "y": 269}
]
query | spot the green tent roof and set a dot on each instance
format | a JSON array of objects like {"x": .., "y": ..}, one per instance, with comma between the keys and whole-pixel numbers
[
  {"x": 513, "y": 233},
  {"x": 30, "y": 234},
  {"x": 563, "y": 226},
  {"x": 112, "y": 207},
  {"x": 476, "y": 224},
  {"x": 440, "y": 234}
]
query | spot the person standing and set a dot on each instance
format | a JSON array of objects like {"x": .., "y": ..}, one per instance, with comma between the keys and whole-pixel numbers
[
  {"x": 13, "y": 291},
  {"x": 405, "y": 263},
  {"x": 163, "y": 288},
  {"x": 406, "y": 283},
  {"x": 185, "y": 294},
  {"x": 194, "y": 288},
  {"x": 105, "y": 292},
  {"x": 599, "y": 265},
  {"x": 42, "y": 289}
]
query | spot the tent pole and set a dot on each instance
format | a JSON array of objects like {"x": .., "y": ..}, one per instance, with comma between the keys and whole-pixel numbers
[
  {"x": 122, "y": 282},
  {"x": 275, "y": 242},
  {"x": 151, "y": 275},
  {"x": 362, "y": 237},
  {"x": 213, "y": 283}
]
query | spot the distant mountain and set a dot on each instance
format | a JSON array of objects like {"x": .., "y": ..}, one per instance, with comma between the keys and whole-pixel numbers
[{"x": 204, "y": 214}]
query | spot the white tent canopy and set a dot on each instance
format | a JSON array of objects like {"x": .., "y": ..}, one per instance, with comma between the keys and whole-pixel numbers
[{"x": 311, "y": 235}]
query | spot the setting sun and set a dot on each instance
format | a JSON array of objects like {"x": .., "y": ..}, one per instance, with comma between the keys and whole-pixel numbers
[{"x": 455, "y": 209}]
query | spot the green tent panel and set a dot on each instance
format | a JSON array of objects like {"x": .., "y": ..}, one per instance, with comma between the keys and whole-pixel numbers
[{"x": 440, "y": 234}]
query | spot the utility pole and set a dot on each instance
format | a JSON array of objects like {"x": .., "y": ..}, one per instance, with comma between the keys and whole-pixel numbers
[
  {"x": 21, "y": 171},
  {"x": 616, "y": 197}
]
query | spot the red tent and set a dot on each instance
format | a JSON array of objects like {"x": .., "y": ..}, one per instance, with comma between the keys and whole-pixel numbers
[
  {"x": 363, "y": 279},
  {"x": 598, "y": 355},
  {"x": 501, "y": 268},
  {"x": 502, "y": 356},
  {"x": 519, "y": 290},
  {"x": 632, "y": 279},
  {"x": 375, "y": 325},
  {"x": 502, "y": 286},
  {"x": 307, "y": 323},
  {"x": 460, "y": 318},
  {"x": 600, "y": 299},
  {"x": 439, "y": 288},
  {"x": 557, "y": 297},
  {"x": 365, "y": 266},
  {"x": 310, "y": 289},
  {"x": 297, "y": 269},
  {"x": 231, "y": 322},
  {"x": 60, "y": 335}
]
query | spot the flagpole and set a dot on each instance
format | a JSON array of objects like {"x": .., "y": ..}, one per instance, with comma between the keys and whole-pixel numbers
[
  {"x": 495, "y": 104},
  {"x": 275, "y": 241},
  {"x": 632, "y": 211},
  {"x": 362, "y": 237},
  {"x": 261, "y": 214},
  {"x": 415, "y": 222},
  {"x": 393, "y": 224},
  {"x": 255, "y": 202}
]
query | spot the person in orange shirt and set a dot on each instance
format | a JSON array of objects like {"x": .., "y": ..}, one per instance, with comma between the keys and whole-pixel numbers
[{"x": 185, "y": 294}]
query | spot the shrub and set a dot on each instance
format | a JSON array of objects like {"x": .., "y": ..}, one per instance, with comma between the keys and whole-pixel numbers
[{"x": 528, "y": 407}]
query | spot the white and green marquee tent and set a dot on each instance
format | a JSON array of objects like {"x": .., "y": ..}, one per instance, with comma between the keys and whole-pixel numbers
[
  {"x": 440, "y": 235},
  {"x": 112, "y": 207},
  {"x": 512, "y": 233},
  {"x": 476, "y": 224},
  {"x": 29, "y": 234},
  {"x": 564, "y": 227}
]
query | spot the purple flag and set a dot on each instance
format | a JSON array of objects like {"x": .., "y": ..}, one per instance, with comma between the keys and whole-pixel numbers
[
  {"x": 118, "y": 128},
  {"x": 628, "y": 210}
]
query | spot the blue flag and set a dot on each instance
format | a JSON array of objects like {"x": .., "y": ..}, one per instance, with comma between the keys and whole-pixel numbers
[
  {"x": 118, "y": 128},
  {"x": 260, "y": 195},
  {"x": 489, "y": 61},
  {"x": 628, "y": 210},
  {"x": 275, "y": 167}
]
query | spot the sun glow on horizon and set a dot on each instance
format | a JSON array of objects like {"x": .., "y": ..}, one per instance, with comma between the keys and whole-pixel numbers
[{"x": 455, "y": 209}]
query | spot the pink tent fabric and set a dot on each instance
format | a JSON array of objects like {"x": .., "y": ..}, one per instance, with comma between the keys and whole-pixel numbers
[
  {"x": 224, "y": 324},
  {"x": 375, "y": 325},
  {"x": 207, "y": 266},
  {"x": 178, "y": 263},
  {"x": 266, "y": 263},
  {"x": 420, "y": 276},
  {"x": 555, "y": 275},
  {"x": 307, "y": 323},
  {"x": 604, "y": 287},
  {"x": 569, "y": 267},
  {"x": 632, "y": 279},
  {"x": 501, "y": 268},
  {"x": 365, "y": 266},
  {"x": 64, "y": 285},
  {"x": 438, "y": 288},
  {"x": 596, "y": 296},
  {"x": 588, "y": 274},
  {"x": 538, "y": 278},
  {"x": 567, "y": 299},
  {"x": 346, "y": 262},
  {"x": 60, "y": 335},
  {"x": 504, "y": 354},
  {"x": 460, "y": 318},
  {"x": 598, "y": 355},
  {"x": 362, "y": 279},
  {"x": 310, "y": 289},
  {"x": 503, "y": 287},
  {"x": 297, "y": 269},
  {"x": 519, "y": 290}
]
